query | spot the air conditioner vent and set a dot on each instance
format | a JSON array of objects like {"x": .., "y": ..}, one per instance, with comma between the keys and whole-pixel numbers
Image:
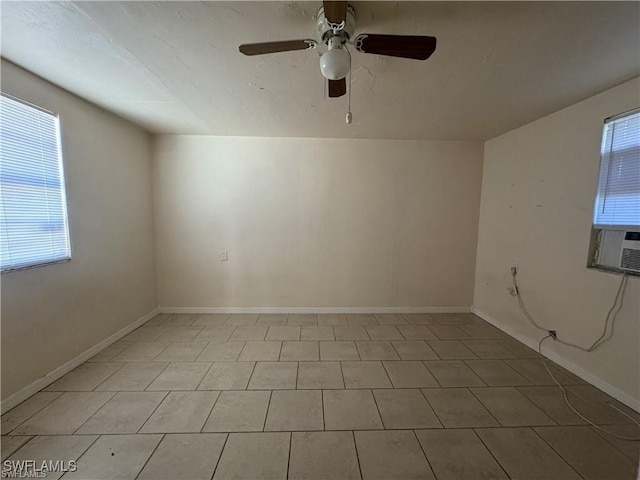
[{"x": 630, "y": 252}]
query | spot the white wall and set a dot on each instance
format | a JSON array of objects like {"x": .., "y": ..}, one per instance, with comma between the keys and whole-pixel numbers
[
  {"x": 538, "y": 192},
  {"x": 53, "y": 313},
  {"x": 315, "y": 222}
]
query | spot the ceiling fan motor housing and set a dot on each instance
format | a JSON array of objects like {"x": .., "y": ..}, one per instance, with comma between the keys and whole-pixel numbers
[{"x": 326, "y": 31}]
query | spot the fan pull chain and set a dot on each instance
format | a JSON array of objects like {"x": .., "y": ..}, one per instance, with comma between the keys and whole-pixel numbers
[{"x": 349, "y": 117}]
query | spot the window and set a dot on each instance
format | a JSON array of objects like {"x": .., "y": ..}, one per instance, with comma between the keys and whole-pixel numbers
[
  {"x": 33, "y": 210},
  {"x": 618, "y": 199}
]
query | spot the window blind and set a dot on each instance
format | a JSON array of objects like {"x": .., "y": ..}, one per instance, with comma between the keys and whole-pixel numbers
[
  {"x": 618, "y": 198},
  {"x": 33, "y": 210}
]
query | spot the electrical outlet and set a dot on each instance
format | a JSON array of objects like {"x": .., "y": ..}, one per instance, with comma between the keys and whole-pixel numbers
[{"x": 224, "y": 256}]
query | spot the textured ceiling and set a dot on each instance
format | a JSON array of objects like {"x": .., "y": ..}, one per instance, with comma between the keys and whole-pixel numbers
[{"x": 174, "y": 67}]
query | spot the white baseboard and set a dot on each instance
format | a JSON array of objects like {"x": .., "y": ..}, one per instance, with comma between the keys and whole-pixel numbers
[
  {"x": 33, "y": 388},
  {"x": 287, "y": 310},
  {"x": 597, "y": 382}
]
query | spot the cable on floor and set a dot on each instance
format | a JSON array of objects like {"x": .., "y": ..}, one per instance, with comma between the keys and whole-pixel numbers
[{"x": 566, "y": 399}]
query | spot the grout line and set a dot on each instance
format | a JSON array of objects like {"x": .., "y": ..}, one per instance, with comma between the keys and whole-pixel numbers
[
  {"x": 152, "y": 453},
  {"x": 490, "y": 452},
  {"x": 375, "y": 401},
  {"x": 424, "y": 452},
  {"x": 554, "y": 450},
  {"x": 355, "y": 447},
  {"x": 153, "y": 412},
  {"x": 266, "y": 415},
  {"x": 213, "y": 405},
  {"x": 224, "y": 445},
  {"x": 289, "y": 456}
]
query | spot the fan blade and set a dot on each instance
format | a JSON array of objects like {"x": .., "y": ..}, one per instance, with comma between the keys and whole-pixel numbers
[
  {"x": 335, "y": 12},
  {"x": 274, "y": 47},
  {"x": 337, "y": 88},
  {"x": 405, "y": 46}
]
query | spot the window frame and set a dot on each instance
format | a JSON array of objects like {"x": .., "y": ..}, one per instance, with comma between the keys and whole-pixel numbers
[{"x": 63, "y": 186}]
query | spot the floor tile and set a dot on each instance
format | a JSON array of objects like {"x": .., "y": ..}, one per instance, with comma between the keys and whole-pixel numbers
[
  {"x": 26, "y": 409},
  {"x": 158, "y": 320},
  {"x": 551, "y": 401},
  {"x": 115, "y": 457},
  {"x": 111, "y": 351},
  {"x": 402, "y": 409},
  {"x": 381, "y": 350},
  {"x": 133, "y": 376},
  {"x": 414, "y": 350},
  {"x": 181, "y": 376},
  {"x": 249, "y": 333},
  {"x": 240, "y": 411},
  {"x": 390, "y": 319},
  {"x": 299, "y": 351},
  {"x": 254, "y": 455},
  {"x": 520, "y": 350},
  {"x": 315, "y": 333},
  {"x": 350, "y": 410},
  {"x": 65, "y": 414},
  {"x": 448, "y": 332},
  {"x": 247, "y": 319},
  {"x": 391, "y": 455},
  {"x": 227, "y": 376},
  {"x": 260, "y": 351},
  {"x": 343, "y": 350},
  {"x": 454, "y": 373},
  {"x": 280, "y": 333},
  {"x": 180, "y": 320},
  {"x": 409, "y": 374},
  {"x": 449, "y": 319},
  {"x": 125, "y": 412},
  {"x": 533, "y": 370},
  {"x": 365, "y": 375},
  {"x": 419, "y": 319},
  {"x": 272, "y": 319},
  {"x": 85, "y": 377},
  {"x": 350, "y": 333},
  {"x": 497, "y": 373},
  {"x": 211, "y": 320},
  {"x": 416, "y": 332},
  {"x": 628, "y": 447},
  {"x": 302, "y": 319},
  {"x": 181, "y": 352},
  {"x": 510, "y": 407},
  {"x": 319, "y": 375},
  {"x": 451, "y": 350},
  {"x": 10, "y": 443},
  {"x": 181, "y": 412},
  {"x": 489, "y": 349},
  {"x": 458, "y": 454},
  {"x": 141, "y": 352},
  {"x": 55, "y": 447},
  {"x": 361, "y": 319},
  {"x": 274, "y": 375},
  {"x": 588, "y": 453},
  {"x": 523, "y": 454},
  {"x": 185, "y": 456},
  {"x": 386, "y": 332},
  {"x": 221, "y": 352},
  {"x": 603, "y": 412},
  {"x": 457, "y": 407},
  {"x": 323, "y": 456},
  {"x": 332, "y": 319},
  {"x": 295, "y": 410},
  {"x": 179, "y": 334},
  {"x": 220, "y": 333},
  {"x": 483, "y": 332},
  {"x": 144, "y": 334}
]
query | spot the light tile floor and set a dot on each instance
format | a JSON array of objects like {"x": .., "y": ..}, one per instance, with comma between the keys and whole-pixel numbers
[{"x": 442, "y": 396}]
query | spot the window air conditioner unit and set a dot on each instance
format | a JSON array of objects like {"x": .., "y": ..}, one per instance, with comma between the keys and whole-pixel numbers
[{"x": 630, "y": 252}]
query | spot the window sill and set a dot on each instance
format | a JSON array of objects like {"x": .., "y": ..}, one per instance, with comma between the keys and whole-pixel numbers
[
  {"x": 612, "y": 270},
  {"x": 35, "y": 265}
]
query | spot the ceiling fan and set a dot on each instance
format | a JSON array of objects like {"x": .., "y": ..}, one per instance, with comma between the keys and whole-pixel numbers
[{"x": 335, "y": 26}]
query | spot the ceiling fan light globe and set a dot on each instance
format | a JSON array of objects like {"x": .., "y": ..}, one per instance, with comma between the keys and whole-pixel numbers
[{"x": 334, "y": 64}]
